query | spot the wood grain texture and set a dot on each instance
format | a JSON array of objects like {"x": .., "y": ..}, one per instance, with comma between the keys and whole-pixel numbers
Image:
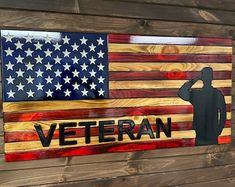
[
  {"x": 183, "y": 166},
  {"x": 102, "y": 103},
  {"x": 168, "y": 49},
  {"x": 168, "y": 66},
  {"x": 165, "y": 179},
  {"x": 66, "y": 22},
  {"x": 210, "y": 4},
  {"x": 40, "y": 174}
]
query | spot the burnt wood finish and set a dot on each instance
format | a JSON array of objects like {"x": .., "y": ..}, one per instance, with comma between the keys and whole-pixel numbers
[{"x": 193, "y": 166}]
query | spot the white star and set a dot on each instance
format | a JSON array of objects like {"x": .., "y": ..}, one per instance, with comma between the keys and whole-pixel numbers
[
  {"x": 93, "y": 85},
  {"x": 39, "y": 73},
  {"x": 47, "y": 39},
  {"x": 83, "y": 40},
  {"x": 100, "y": 54},
  {"x": 92, "y": 47},
  {"x": 92, "y": 73},
  {"x": 57, "y": 46},
  {"x": 66, "y": 39},
  {"x": 20, "y": 87},
  {"x": 92, "y": 60},
  {"x": 30, "y": 93},
  {"x": 84, "y": 66},
  {"x": 75, "y": 73},
  {"x": 28, "y": 38},
  {"x": 66, "y": 66},
  {"x": 38, "y": 46},
  {"x": 101, "y": 79},
  {"x": 83, "y": 53},
  {"x": 49, "y": 79},
  {"x": 39, "y": 86},
  {"x": 10, "y": 80},
  {"x": 76, "y": 86},
  {"x": 100, "y": 41},
  {"x": 20, "y": 73},
  {"x": 75, "y": 47},
  {"x": 49, "y": 93},
  {"x": 28, "y": 52},
  {"x": 101, "y": 67},
  {"x": 66, "y": 53},
  {"x": 75, "y": 60},
  {"x": 18, "y": 45},
  {"x": 57, "y": 60},
  {"x": 67, "y": 92},
  {"x": 29, "y": 66},
  {"x": 84, "y": 92},
  {"x": 10, "y": 94},
  {"x": 8, "y": 37},
  {"x": 48, "y": 52},
  {"x": 30, "y": 80},
  {"x": 9, "y": 66},
  {"x": 57, "y": 73},
  {"x": 48, "y": 66},
  {"x": 9, "y": 51},
  {"x": 101, "y": 92},
  {"x": 38, "y": 59},
  {"x": 58, "y": 86},
  {"x": 19, "y": 59},
  {"x": 67, "y": 79},
  {"x": 84, "y": 79}
]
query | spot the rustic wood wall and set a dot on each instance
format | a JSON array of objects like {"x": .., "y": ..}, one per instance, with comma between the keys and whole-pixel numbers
[{"x": 207, "y": 165}]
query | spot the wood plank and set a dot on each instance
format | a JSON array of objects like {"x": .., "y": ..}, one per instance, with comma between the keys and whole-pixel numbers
[
  {"x": 102, "y": 103},
  {"x": 210, "y": 4},
  {"x": 168, "y": 66},
  {"x": 168, "y": 49},
  {"x": 159, "y": 84},
  {"x": 114, "y": 157},
  {"x": 121, "y": 174},
  {"x": 155, "y": 11},
  {"x": 228, "y": 182},
  {"x": 33, "y": 20},
  {"x": 70, "y": 6}
]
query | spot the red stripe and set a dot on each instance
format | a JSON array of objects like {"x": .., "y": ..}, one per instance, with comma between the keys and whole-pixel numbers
[
  {"x": 152, "y": 93},
  {"x": 105, "y": 148},
  {"x": 123, "y": 38},
  {"x": 125, "y": 57},
  {"x": 156, "y": 75},
  {"x": 21, "y": 136},
  {"x": 98, "y": 113}
]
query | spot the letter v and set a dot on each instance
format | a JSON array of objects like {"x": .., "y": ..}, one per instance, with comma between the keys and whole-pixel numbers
[{"x": 46, "y": 141}]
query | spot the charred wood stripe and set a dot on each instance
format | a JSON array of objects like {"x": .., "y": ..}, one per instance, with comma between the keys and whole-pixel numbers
[
  {"x": 159, "y": 84},
  {"x": 155, "y": 75},
  {"x": 128, "y": 57},
  {"x": 137, "y": 39},
  {"x": 105, "y": 148},
  {"x": 18, "y": 136},
  {"x": 160, "y": 93},
  {"x": 98, "y": 113}
]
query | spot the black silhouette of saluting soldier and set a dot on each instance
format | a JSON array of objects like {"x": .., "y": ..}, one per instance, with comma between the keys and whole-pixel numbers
[{"x": 209, "y": 109}]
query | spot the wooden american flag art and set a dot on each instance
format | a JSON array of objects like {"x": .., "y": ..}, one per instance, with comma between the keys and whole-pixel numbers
[{"x": 68, "y": 94}]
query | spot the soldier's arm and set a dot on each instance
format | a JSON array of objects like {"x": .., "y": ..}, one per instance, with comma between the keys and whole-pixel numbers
[
  {"x": 222, "y": 112},
  {"x": 184, "y": 91}
]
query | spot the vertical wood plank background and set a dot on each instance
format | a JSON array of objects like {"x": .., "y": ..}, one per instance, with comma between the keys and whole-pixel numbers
[{"x": 194, "y": 166}]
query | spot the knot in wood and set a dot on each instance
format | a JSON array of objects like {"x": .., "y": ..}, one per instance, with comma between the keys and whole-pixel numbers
[{"x": 144, "y": 23}]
